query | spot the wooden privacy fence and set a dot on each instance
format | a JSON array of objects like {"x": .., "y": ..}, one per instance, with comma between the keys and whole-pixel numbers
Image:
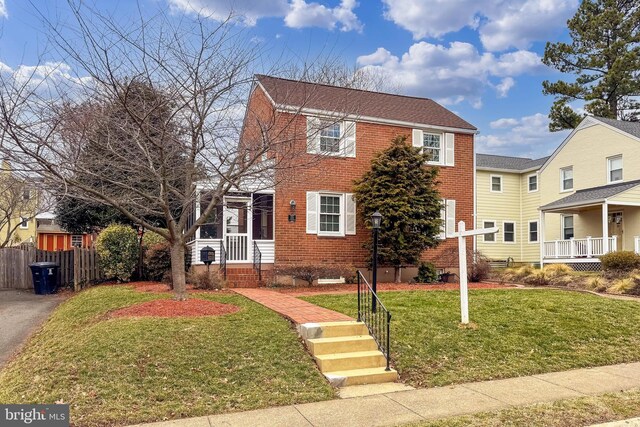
[{"x": 78, "y": 267}]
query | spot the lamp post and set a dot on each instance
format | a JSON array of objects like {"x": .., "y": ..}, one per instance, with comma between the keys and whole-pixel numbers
[{"x": 376, "y": 219}]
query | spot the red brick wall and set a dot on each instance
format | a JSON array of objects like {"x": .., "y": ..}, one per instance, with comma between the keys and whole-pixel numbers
[{"x": 294, "y": 245}]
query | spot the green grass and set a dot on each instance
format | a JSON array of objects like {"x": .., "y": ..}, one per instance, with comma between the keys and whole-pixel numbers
[
  {"x": 124, "y": 371},
  {"x": 517, "y": 332},
  {"x": 571, "y": 412}
]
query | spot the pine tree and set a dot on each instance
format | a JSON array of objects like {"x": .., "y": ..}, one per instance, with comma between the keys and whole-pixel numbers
[
  {"x": 403, "y": 189},
  {"x": 605, "y": 57}
]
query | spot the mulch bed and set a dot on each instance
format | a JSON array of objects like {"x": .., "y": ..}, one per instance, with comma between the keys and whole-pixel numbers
[
  {"x": 383, "y": 287},
  {"x": 192, "y": 307}
]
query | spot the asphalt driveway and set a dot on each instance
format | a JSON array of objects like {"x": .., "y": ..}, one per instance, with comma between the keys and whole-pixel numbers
[{"x": 21, "y": 313}]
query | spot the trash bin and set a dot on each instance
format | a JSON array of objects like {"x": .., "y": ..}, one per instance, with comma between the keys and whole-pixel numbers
[{"x": 45, "y": 277}]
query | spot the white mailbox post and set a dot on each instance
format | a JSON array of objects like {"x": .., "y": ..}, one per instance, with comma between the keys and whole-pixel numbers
[{"x": 462, "y": 254}]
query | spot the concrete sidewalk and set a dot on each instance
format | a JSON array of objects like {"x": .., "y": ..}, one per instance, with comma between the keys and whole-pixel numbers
[{"x": 402, "y": 407}]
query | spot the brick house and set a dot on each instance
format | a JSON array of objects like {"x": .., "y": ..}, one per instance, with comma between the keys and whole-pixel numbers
[{"x": 308, "y": 215}]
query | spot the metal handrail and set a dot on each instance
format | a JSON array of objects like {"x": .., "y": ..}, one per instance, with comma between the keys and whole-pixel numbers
[
  {"x": 223, "y": 260},
  {"x": 375, "y": 316},
  {"x": 257, "y": 260}
]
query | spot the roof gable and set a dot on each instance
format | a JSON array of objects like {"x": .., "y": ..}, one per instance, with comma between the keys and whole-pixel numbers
[{"x": 379, "y": 105}]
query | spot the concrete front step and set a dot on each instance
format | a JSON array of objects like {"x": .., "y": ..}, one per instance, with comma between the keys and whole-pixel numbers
[
  {"x": 319, "y": 346},
  {"x": 361, "y": 376},
  {"x": 332, "y": 329},
  {"x": 350, "y": 361}
]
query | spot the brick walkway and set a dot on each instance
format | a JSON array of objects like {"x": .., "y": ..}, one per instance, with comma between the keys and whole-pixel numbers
[{"x": 294, "y": 309}]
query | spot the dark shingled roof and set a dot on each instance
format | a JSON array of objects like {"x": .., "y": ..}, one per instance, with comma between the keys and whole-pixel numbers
[
  {"x": 380, "y": 105},
  {"x": 632, "y": 128},
  {"x": 591, "y": 195},
  {"x": 491, "y": 161}
]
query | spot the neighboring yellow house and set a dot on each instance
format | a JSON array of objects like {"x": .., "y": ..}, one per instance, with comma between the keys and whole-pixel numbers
[
  {"x": 572, "y": 207},
  {"x": 508, "y": 197},
  {"x": 18, "y": 205},
  {"x": 590, "y": 194}
]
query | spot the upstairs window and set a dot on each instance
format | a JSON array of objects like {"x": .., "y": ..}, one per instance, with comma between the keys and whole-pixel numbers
[
  {"x": 496, "y": 183},
  {"x": 330, "y": 135},
  {"x": 566, "y": 179},
  {"x": 24, "y": 222},
  {"x": 432, "y": 146},
  {"x": 26, "y": 195},
  {"x": 614, "y": 168},
  {"x": 533, "y": 183}
]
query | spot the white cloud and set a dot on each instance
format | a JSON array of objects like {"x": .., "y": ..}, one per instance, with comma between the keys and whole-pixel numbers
[
  {"x": 296, "y": 13},
  {"x": 302, "y": 14},
  {"x": 452, "y": 74},
  {"x": 3, "y": 9},
  {"x": 527, "y": 136},
  {"x": 501, "y": 24},
  {"x": 49, "y": 79}
]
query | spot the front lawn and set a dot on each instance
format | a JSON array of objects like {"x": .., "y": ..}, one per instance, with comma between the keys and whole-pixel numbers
[
  {"x": 117, "y": 371},
  {"x": 514, "y": 333}
]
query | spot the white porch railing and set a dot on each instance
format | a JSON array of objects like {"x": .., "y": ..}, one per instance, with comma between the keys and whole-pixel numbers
[
  {"x": 237, "y": 247},
  {"x": 587, "y": 247}
]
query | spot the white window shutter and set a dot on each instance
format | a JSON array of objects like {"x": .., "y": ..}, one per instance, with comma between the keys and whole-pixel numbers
[
  {"x": 312, "y": 212},
  {"x": 350, "y": 214},
  {"x": 313, "y": 135},
  {"x": 449, "y": 149},
  {"x": 443, "y": 220},
  {"x": 349, "y": 138},
  {"x": 417, "y": 140},
  {"x": 451, "y": 217}
]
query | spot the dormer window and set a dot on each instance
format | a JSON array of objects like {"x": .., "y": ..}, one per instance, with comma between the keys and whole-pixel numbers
[{"x": 614, "y": 169}]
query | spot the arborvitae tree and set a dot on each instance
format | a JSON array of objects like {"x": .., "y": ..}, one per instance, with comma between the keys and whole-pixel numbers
[
  {"x": 404, "y": 190},
  {"x": 604, "y": 55}
]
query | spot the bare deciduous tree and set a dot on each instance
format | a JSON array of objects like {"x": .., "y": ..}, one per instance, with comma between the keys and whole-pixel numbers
[{"x": 94, "y": 137}]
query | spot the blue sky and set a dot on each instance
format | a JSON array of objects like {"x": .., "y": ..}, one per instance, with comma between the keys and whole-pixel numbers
[{"x": 479, "y": 58}]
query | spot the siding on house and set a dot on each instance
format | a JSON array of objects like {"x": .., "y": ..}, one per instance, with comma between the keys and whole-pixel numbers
[{"x": 587, "y": 151}]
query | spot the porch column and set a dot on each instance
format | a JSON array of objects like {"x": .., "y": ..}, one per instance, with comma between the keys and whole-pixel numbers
[
  {"x": 541, "y": 238},
  {"x": 605, "y": 228}
]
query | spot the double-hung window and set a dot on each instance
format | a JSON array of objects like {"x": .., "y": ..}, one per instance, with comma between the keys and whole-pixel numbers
[
  {"x": 24, "y": 222},
  {"x": 496, "y": 183},
  {"x": 533, "y": 183},
  {"x": 533, "y": 231},
  {"x": 432, "y": 146},
  {"x": 330, "y": 214},
  {"x": 566, "y": 179},
  {"x": 330, "y": 135},
  {"x": 491, "y": 237},
  {"x": 567, "y": 227},
  {"x": 509, "y": 232},
  {"x": 614, "y": 168}
]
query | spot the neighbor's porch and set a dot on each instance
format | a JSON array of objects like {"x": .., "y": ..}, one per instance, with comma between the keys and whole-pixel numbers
[{"x": 583, "y": 233}]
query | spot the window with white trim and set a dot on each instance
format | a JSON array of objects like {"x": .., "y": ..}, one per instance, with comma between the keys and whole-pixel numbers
[
  {"x": 532, "y": 183},
  {"x": 567, "y": 227},
  {"x": 614, "y": 168},
  {"x": 76, "y": 240},
  {"x": 432, "y": 146},
  {"x": 496, "y": 183},
  {"x": 509, "y": 232},
  {"x": 330, "y": 135},
  {"x": 490, "y": 237},
  {"x": 330, "y": 214},
  {"x": 566, "y": 179},
  {"x": 533, "y": 231},
  {"x": 24, "y": 222},
  {"x": 26, "y": 194}
]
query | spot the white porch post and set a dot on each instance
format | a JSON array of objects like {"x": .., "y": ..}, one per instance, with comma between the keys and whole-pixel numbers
[
  {"x": 605, "y": 228},
  {"x": 541, "y": 238}
]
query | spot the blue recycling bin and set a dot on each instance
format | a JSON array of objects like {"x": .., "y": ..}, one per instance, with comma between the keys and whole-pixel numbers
[{"x": 45, "y": 277}]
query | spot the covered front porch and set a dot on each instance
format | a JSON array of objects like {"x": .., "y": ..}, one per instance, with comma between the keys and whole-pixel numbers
[{"x": 580, "y": 228}]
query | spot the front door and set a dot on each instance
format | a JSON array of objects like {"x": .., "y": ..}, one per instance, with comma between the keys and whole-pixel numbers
[
  {"x": 616, "y": 227},
  {"x": 236, "y": 228}
]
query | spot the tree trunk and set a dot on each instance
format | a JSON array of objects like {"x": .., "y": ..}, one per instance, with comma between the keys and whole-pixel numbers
[
  {"x": 177, "y": 271},
  {"x": 398, "y": 274}
]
